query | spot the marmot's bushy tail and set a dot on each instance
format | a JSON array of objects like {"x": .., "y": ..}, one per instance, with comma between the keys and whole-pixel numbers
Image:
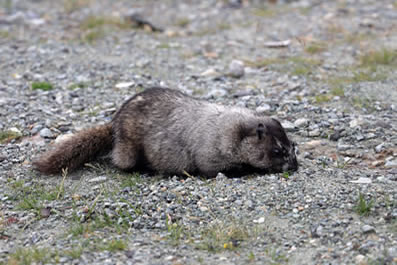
[{"x": 77, "y": 150}]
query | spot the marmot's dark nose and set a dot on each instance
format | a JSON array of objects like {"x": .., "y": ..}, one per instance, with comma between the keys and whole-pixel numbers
[{"x": 293, "y": 164}]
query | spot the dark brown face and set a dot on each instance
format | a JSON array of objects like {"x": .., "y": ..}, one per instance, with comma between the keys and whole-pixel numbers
[
  {"x": 269, "y": 148},
  {"x": 282, "y": 151},
  {"x": 282, "y": 156}
]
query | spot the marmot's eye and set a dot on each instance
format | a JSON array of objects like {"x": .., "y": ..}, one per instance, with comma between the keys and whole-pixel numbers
[{"x": 277, "y": 152}]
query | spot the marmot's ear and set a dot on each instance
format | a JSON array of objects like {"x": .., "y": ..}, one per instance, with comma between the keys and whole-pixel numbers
[
  {"x": 253, "y": 129},
  {"x": 260, "y": 130}
]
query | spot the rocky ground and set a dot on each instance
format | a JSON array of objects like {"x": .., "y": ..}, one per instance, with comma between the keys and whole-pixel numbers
[{"x": 326, "y": 69}]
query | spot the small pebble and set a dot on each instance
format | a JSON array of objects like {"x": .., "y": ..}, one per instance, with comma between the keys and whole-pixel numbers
[
  {"x": 98, "y": 179},
  {"x": 46, "y": 133},
  {"x": 302, "y": 122},
  {"x": 236, "y": 69},
  {"x": 367, "y": 229}
]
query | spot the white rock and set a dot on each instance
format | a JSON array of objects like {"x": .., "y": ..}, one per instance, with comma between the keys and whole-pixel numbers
[
  {"x": 302, "y": 122},
  {"x": 98, "y": 179},
  {"x": 125, "y": 85},
  {"x": 63, "y": 137},
  {"x": 236, "y": 69},
  {"x": 15, "y": 130},
  {"x": 314, "y": 144},
  {"x": 263, "y": 108},
  {"x": 315, "y": 133},
  {"x": 210, "y": 72},
  {"x": 216, "y": 93},
  {"x": 168, "y": 258},
  {"x": 391, "y": 163},
  {"x": 379, "y": 147},
  {"x": 261, "y": 220},
  {"x": 368, "y": 229},
  {"x": 362, "y": 180},
  {"x": 360, "y": 259},
  {"x": 37, "y": 21},
  {"x": 343, "y": 147},
  {"x": 288, "y": 126},
  {"x": 356, "y": 122},
  {"x": 220, "y": 177}
]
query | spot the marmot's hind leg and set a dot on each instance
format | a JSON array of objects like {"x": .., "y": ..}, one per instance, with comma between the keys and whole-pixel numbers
[{"x": 124, "y": 154}]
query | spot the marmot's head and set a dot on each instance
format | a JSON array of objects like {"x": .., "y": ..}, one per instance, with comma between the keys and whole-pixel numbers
[{"x": 265, "y": 145}]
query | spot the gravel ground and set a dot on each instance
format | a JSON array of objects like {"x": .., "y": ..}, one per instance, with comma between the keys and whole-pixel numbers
[{"x": 326, "y": 69}]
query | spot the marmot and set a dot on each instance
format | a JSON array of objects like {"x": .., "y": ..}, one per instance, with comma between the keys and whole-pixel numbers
[{"x": 169, "y": 132}]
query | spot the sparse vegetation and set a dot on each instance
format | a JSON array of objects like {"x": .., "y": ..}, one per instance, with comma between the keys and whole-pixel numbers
[
  {"x": 163, "y": 46},
  {"x": 295, "y": 65},
  {"x": 175, "y": 231},
  {"x": 361, "y": 102},
  {"x": 45, "y": 86},
  {"x": 301, "y": 70},
  {"x": 363, "y": 207},
  {"x": 393, "y": 226},
  {"x": 276, "y": 256},
  {"x": 6, "y": 136},
  {"x": 182, "y": 22},
  {"x": 74, "y": 5},
  {"x": 368, "y": 76},
  {"x": 321, "y": 98},
  {"x": 263, "y": 62},
  {"x": 93, "y": 22},
  {"x": 75, "y": 252},
  {"x": 378, "y": 57},
  {"x": 4, "y": 34},
  {"x": 251, "y": 256},
  {"x": 264, "y": 12},
  {"x": 129, "y": 180},
  {"x": 337, "y": 91},
  {"x": 303, "y": 66},
  {"x": 27, "y": 256},
  {"x": 36, "y": 255},
  {"x": 78, "y": 85},
  {"x": 78, "y": 229},
  {"x": 356, "y": 38},
  {"x": 223, "y": 236},
  {"x": 96, "y": 27},
  {"x": 212, "y": 30},
  {"x": 315, "y": 47},
  {"x": 93, "y": 36},
  {"x": 114, "y": 245}
]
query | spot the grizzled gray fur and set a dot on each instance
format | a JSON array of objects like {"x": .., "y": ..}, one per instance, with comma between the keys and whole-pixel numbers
[{"x": 166, "y": 131}]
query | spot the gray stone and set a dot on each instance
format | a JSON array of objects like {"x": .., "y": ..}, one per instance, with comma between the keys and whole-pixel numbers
[
  {"x": 46, "y": 133},
  {"x": 379, "y": 147},
  {"x": 36, "y": 129},
  {"x": 315, "y": 133},
  {"x": 288, "y": 126},
  {"x": 391, "y": 163},
  {"x": 217, "y": 93},
  {"x": 367, "y": 229},
  {"x": 264, "y": 108},
  {"x": 343, "y": 147},
  {"x": 301, "y": 122},
  {"x": 356, "y": 122},
  {"x": 236, "y": 69}
]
